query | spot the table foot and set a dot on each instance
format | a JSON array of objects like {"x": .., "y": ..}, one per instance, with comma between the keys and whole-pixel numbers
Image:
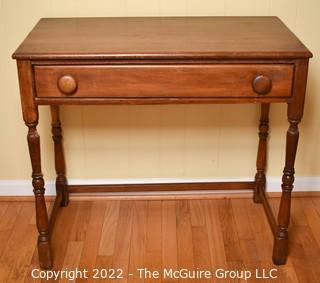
[
  {"x": 280, "y": 251},
  {"x": 44, "y": 251}
]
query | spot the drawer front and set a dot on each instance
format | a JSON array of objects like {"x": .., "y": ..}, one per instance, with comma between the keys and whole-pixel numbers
[{"x": 230, "y": 80}]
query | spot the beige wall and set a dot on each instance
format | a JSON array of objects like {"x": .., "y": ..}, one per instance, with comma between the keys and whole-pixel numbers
[{"x": 191, "y": 141}]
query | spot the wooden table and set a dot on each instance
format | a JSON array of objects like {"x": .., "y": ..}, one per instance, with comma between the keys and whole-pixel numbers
[{"x": 160, "y": 61}]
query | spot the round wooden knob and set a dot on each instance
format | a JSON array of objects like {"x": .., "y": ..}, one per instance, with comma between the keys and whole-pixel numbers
[
  {"x": 262, "y": 84},
  {"x": 67, "y": 84}
]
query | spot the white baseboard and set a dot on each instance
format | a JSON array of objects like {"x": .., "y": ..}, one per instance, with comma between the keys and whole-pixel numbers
[{"x": 24, "y": 187}]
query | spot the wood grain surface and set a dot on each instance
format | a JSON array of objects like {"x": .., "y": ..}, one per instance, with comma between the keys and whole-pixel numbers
[
  {"x": 216, "y": 80},
  {"x": 208, "y": 234},
  {"x": 208, "y": 37}
]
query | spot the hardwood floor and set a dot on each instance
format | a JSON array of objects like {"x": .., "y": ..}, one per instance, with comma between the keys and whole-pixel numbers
[{"x": 229, "y": 234}]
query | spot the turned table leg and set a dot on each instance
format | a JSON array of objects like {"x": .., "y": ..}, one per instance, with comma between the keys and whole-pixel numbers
[
  {"x": 30, "y": 117},
  {"x": 295, "y": 113},
  {"x": 260, "y": 177},
  {"x": 280, "y": 249},
  {"x": 60, "y": 166},
  {"x": 38, "y": 189}
]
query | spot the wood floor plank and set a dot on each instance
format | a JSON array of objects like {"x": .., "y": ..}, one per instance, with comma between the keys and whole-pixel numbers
[
  {"x": 17, "y": 249},
  {"x": 184, "y": 237},
  {"x": 200, "y": 249},
  {"x": 9, "y": 216},
  {"x": 215, "y": 236},
  {"x": 316, "y": 204},
  {"x": 109, "y": 229},
  {"x": 3, "y": 207},
  {"x": 288, "y": 274},
  {"x": 63, "y": 226},
  {"x": 169, "y": 235},
  {"x": 298, "y": 217},
  {"x": 102, "y": 262},
  {"x": 5, "y": 231},
  {"x": 153, "y": 249},
  {"x": 262, "y": 233},
  {"x": 23, "y": 254},
  {"x": 122, "y": 243},
  {"x": 169, "y": 238},
  {"x": 313, "y": 218},
  {"x": 231, "y": 240},
  {"x": 93, "y": 238},
  {"x": 312, "y": 250},
  {"x": 80, "y": 227},
  {"x": 234, "y": 258},
  {"x": 248, "y": 247},
  {"x": 197, "y": 213},
  {"x": 240, "y": 212},
  {"x": 4, "y": 237},
  {"x": 34, "y": 264},
  {"x": 138, "y": 240},
  {"x": 299, "y": 257},
  {"x": 72, "y": 258}
]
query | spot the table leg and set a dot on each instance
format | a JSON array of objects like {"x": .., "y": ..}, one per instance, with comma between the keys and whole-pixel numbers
[
  {"x": 38, "y": 189},
  {"x": 295, "y": 113},
  {"x": 60, "y": 166},
  {"x": 31, "y": 117},
  {"x": 280, "y": 249},
  {"x": 260, "y": 177}
]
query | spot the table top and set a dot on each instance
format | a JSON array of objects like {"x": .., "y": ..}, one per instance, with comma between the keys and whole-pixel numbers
[{"x": 161, "y": 37}]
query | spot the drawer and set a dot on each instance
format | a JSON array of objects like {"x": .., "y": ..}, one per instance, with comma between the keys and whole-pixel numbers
[{"x": 130, "y": 81}]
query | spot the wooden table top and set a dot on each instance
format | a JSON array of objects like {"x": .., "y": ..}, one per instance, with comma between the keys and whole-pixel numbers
[{"x": 158, "y": 37}]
